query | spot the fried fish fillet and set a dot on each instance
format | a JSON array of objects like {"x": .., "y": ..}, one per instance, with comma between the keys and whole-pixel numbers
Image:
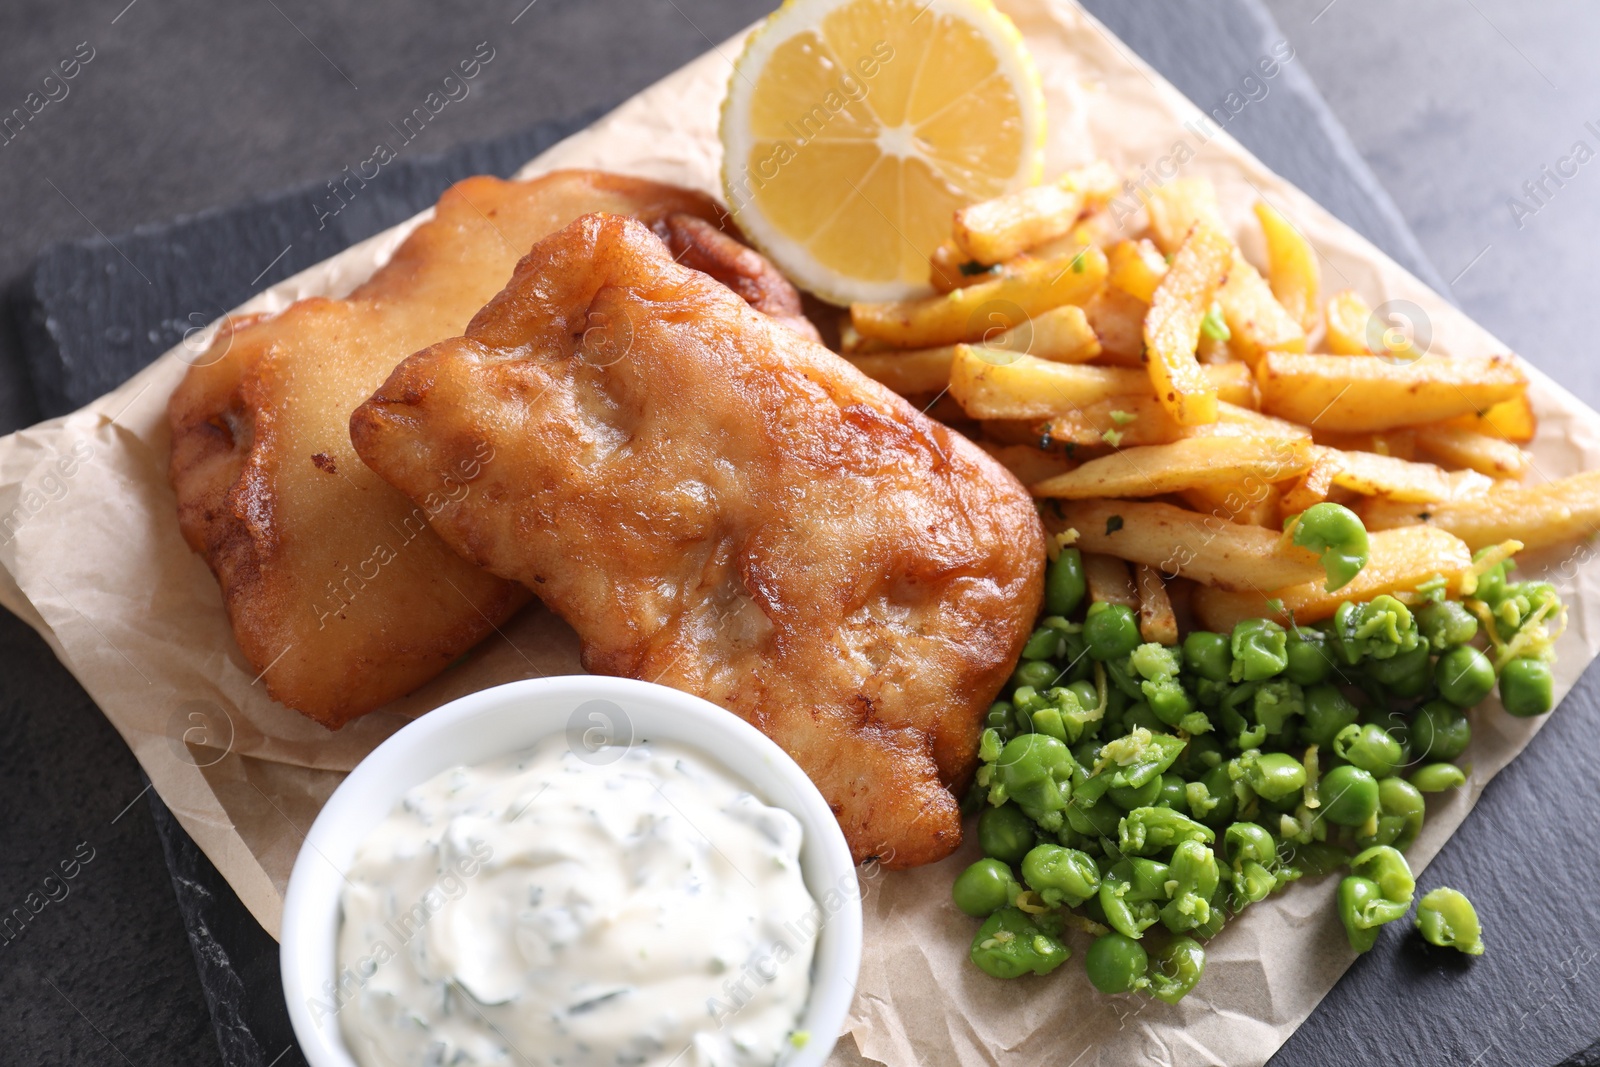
[
  {"x": 715, "y": 503},
  {"x": 338, "y": 591}
]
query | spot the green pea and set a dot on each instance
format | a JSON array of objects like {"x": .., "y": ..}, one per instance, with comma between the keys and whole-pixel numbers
[
  {"x": 1370, "y": 747},
  {"x": 1387, "y": 867},
  {"x": 1213, "y": 793},
  {"x": 1199, "y": 756},
  {"x": 1401, "y": 810},
  {"x": 1064, "y": 583},
  {"x": 1126, "y": 911},
  {"x": 1138, "y": 715},
  {"x": 1259, "y": 650},
  {"x": 1275, "y": 776},
  {"x": 1447, "y": 918},
  {"x": 1009, "y": 944},
  {"x": 1446, "y": 624},
  {"x": 1349, "y": 796},
  {"x": 1088, "y": 696},
  {"x": 1464, "y": 675},
  {"x": 1111, "y": 631},
  {"x": 1309, "y": 660},
  {"x": 1129, "y": 797},
  {"x": 1526, "y": 687},
  {"x": 1061, "y": 876},
  {"x": 1438, "y": 777},
  {"x": 1248, "y": 842},
  {"x": 1192, "y": 880},
  {"x": 1117, "y": 964},
  {"x": 1002, "y": 718},
  {"x": 1327, "y": 712},
  {"x": 1146, "y": 831},
  {"x": 1177, "y": 969},
  {"x": 1005, "y": 833},
  {"x": 1094, "y": 820},
  {"x": 1440, "y": 731},
  {"x": 1035, "y": 770},
  {"x": 1208, "y": 655},
  {"x": 1355, "y": 895},
  {"x": 1174, "y": 794},
  {"x": 1405, "y": 674},
  {"x": 1336, "y": 532},
  {"x": 1036, "y": 674},
  {"x": 1046, "y": 643},
  {"x": 984, "y": 888}
]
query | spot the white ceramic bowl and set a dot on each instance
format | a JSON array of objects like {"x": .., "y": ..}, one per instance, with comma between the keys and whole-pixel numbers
[{"x": 512, "y": 717}]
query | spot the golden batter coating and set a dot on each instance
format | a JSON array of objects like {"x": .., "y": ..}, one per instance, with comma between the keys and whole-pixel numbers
[
  {"x": 715, "y": 503},
  {"x": 336, "y": 587}
]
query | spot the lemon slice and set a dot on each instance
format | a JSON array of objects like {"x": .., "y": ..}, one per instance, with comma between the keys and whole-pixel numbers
[{"x": 853, "y": 129}]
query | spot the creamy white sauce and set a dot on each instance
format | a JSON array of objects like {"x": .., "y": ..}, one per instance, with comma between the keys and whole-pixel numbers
[{"x": 546, "y": 909}]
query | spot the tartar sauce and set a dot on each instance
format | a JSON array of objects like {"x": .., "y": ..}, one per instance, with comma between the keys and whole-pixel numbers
[{"x": 547, "y": 909}]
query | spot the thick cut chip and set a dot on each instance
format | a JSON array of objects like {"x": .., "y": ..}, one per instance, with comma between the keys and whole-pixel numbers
[
  {"x": 1142, "y": 420},
  {"x": 1354, "y": 393},
  {"x": 1291, "y": 265},
  {"x": 1536, "y": 515},
  {"x": 338, "y": 591},
  {"x": 1398, "y": 562},
  {"x": 992, "y": 384},
  {"x": 718, "y": 505},
  {"x": 1172, "y": 328},
  {"x": 978, "y": 312},
  {"x": 1155, "y": 470},
  {"x": 1187, "y": 544}
]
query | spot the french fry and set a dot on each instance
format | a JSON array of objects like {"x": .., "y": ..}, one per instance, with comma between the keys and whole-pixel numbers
[
  {"x": 1117, "y": 318},
  {"x": 1108, "y": 580},
  {"x": 1178, "y": 206},
  {"x": 1509, "y": 420},
  {"x": 1476, "y": 451},
  {"x": 1137, "y": 267},
  {"x": 982, "y": 310},
  {"x": 950, "y": 268},
  {"x": 1060, "y": 335},
  {"x": 913, "y": 371},
  {"x": 1142, "y": 420},
  {"x": 1180, "y": 542},
  {"x": 1172, "y": 328},
  {"x": 1291, "y": 266},
  {"x": 1347, "y": 318},
  {"x": 1027, "y": 463},
  {"x": 993, "y": 384},
  {"x": 1398, "y": 561},
  {"x": 1356, "y": 393},
  {"x": 1370, "y": 474},
  {"x": 1257, "y": 323},
  {"x": 1402, "y": 444},
  {"x": 1537, "y": 515},
  {"x": 1310, "y": 490},
  {"x": 1253, "y": 503},
  {"x": 993, "y": 231},
  {"x": 1157, "y": 622},
  {"x": 1154, "y": 470}
]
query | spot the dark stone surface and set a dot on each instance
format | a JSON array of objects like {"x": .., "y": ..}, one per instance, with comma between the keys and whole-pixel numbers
[{"x": 188, "y": 106}]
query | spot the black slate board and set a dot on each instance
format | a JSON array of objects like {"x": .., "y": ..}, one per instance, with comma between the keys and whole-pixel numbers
[{"x": 1531, "y": 1002}]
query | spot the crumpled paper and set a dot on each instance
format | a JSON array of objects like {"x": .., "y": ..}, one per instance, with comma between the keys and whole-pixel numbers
[{"x": 93, "y": 560}]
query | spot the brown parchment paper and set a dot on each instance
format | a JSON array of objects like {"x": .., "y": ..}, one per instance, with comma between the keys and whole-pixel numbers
[{"x": 93, "y": 560}]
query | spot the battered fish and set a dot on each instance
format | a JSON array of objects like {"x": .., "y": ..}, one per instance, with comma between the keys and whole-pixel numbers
[
  {"x": 715, "y": 503},
  {"x": 338, "y": 592}
]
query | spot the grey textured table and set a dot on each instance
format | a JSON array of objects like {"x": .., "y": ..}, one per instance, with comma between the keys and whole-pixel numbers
[{"x": 186, "y": 106}]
